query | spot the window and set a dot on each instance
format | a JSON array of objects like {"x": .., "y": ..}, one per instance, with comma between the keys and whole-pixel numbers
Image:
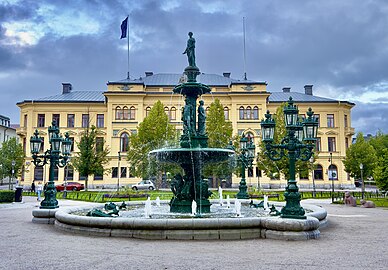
[
  {"x": 38, "y": 173},
  {"x": 148, "y": 109},
  {"x": 330, "y": 120},
  {"x": 99, "y": 144},
  {"x": 24, "y": 146},
  {"x": 124, "y": 139},
  {"x": 331, "y": 144},
  {"x": 72, "y": 143},
  {"x": 70, "y": 120},
  {"x": 56, "y": 119},
  {"x": 250, "y": 171},
  {"x": 318, "y": 144},
  {"x": 41, "y": 120},
  {"x": 248, "y": 113},
  {"x": 98, "y": 176},
  {"x": 25, "y": 120},
  {"x": 333, "y": 173},
  {"x": 114, "y": 172},
  {"x": 346, "y": 143},
  {"x": 82, "y": 177},
  {"x": 118, "y": 113},
  {"x": 123, "y": 172},
  {"x": 69, "y": 173},
  {"x": 85, "y": 120},
  {"x": 132, "y": 112},
  {"x": 346, "y": 120},
  {"x": 100, "y": 120},
  {"x": 241, "y": 113},
  {"x": 167, "y": 111},
  {"x": 316, "y": 116},
  {"x": 42, "y": 146},
  {"x": 226, "y": 113},
  {"x": 255, "y": 113},
  {"x": 173, "y": 113},
  {"x": 318, "y": 172}
]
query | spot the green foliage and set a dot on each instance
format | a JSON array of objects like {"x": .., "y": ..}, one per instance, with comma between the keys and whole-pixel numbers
[
  {"x": 379, "y": 142},
  {"x": 153, "y": 133},
  {"x": 361, "y": 152},
  {"x": 9, "y": 151},
  {"x": 219, "y": 132},
  {"x": 7, "y": 196},
  {"x": 274, "y": 169},
  {"x": 91, "y": 158},
  {"x": 380, "y": 173}
]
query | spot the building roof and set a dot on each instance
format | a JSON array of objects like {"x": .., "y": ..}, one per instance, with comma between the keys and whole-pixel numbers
[
  {"x": 74, "y": 96},
  {"x": 172, "y": 79},
  {"x": 301, "y": 98}
]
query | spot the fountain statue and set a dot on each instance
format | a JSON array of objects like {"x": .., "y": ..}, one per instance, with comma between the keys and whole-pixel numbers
[{"x": 194, "y": 151}]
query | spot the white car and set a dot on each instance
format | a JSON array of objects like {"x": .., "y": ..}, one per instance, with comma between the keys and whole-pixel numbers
[{"x": 144, "y": 184}]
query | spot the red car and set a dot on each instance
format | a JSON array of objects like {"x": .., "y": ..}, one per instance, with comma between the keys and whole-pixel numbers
[{"x": 70, "y": 186}]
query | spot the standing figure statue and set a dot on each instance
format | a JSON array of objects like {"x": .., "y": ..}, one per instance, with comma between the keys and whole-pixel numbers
[
  {"x": 190, "y": 50},
  {"x": 186, "y": 119},
  {"x": 201, "y": 118}
]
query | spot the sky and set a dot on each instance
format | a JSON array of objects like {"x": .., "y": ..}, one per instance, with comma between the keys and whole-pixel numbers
[{"x": 340, "y": 47}]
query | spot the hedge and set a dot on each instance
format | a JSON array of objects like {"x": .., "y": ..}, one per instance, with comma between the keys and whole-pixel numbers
[{"x": 7, "y": 196}]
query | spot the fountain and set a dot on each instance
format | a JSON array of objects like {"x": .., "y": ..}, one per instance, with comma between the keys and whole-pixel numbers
[{"x": 188, "y": 213}]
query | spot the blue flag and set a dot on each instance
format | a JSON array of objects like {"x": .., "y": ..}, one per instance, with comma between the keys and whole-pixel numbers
[{"x": 124, "y": 26}]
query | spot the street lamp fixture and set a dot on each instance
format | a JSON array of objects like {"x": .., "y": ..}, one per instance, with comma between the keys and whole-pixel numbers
[
  {"x": 295, "y": 146},
  {"x": 362, "y": 181},
  {"x": 312, "y": 174},
  {"x": 58, "y": 156},
  {"x": 331, "y": 177},
  {"x": 246, "y": 157}
]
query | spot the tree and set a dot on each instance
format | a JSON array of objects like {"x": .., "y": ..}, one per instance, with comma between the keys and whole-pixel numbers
[
  {"x": 380, "y": 173},
  {"x": 10, "y": 151},
  {"x": 92, "y": 156},
  {"x": 153, "y": 133},
  {"x": 219, "y": 132},
  {"x": 361, "y": 152},
  {"x": 379, "y": 143}
]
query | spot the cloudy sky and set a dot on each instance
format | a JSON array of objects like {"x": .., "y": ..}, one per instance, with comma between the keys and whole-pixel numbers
[{"x": 341, "y": 47}]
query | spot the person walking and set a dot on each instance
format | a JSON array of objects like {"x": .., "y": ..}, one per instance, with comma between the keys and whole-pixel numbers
[
  {"x": 39, "y": 189},
  {"x": 33, "y": 187}
]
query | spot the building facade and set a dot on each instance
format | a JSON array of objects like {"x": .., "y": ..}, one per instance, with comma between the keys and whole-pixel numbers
[
  {"x": 118, "y": 111},
  {"x": 7, "y": 131}
]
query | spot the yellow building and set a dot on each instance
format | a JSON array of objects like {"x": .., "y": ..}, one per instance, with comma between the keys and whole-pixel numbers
[{"x": 118, "y": 111}]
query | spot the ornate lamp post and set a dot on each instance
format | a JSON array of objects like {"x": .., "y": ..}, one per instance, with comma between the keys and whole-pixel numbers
[
  {"x": 118, "y": 172},
  {"x": 52, "y": 156},
  {"x": 312, "y": 174},
  {"x": 13, "y": 163},
  {"x": 246, "y": 158},
  {"x": 298, "y": 143},
  {"x": 362, "y": 181},
  {"x": 331, "y": 177}
]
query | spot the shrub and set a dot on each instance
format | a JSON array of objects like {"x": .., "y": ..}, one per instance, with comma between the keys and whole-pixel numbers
[{"x": 7, "y": 196}]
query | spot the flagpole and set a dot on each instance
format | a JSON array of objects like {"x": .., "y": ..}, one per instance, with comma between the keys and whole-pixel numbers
[{"x": 128, "y": 46}]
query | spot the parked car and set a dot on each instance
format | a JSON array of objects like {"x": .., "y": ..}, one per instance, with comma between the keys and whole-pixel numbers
[
  {"x": 70, "y": 186},
  {"x": 144, "y": 184}
]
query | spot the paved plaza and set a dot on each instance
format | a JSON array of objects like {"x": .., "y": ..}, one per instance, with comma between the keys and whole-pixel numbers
[{"x": 356, "y": 238}]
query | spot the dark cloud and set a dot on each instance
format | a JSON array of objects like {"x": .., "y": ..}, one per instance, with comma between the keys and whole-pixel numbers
[{"x": 336, "y": 44}]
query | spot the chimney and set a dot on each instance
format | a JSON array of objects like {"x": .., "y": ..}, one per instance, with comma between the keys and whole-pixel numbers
[
  {"x": 66, "y": 88},
  {"x": 308, "y": 89},
  {"x": 149, "y": 73},
  {"x": 286, "y": 89},
  {"x": 226, "y": 74}
]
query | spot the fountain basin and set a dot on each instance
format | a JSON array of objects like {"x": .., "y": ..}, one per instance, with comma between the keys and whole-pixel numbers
[{"x": 195, "y": 228}]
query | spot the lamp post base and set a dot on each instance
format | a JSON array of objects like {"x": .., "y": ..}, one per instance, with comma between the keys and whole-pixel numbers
[
  {"x": 292, "y": 209},
  {"x": 242, "y": 194},
  {"x": 50, "y": 200}
]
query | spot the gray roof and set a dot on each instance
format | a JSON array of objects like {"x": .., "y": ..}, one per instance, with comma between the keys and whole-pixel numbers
[
  {"x": 172, "y": 79},
  {"x": 74, "y": 96},
  {"x": 297, "y": 97}
]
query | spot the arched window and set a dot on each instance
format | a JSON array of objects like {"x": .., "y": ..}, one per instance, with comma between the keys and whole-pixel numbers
[
  {"x": 226, "y": 113},
  {"x": 125, "y": 113},
  {"x": 241, "y": 113},
  {"x": 118, "y": 114},
  {"x": 167, "y": 111},
  {"x": 248, "y": 112},
  {"x": 132, "y": 113},
  {"x": 148, "y": 109},
  {"x": 207, "y": 110},
  {"x": 255, "y": 113},
  {"x": 124, "y": 139},
  {"x": 173, "y": 113},
  {"x": 38, "y": 173},
  {"x": 333, "y": 172},
  {"x": 318, "y": 172}
]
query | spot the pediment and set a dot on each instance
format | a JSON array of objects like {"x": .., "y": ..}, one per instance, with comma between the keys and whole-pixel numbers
[{"x": 331, "y": 132}]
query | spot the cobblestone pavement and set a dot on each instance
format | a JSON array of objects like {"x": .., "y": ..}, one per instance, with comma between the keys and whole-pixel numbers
[{"x": 356, "y": 238}]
